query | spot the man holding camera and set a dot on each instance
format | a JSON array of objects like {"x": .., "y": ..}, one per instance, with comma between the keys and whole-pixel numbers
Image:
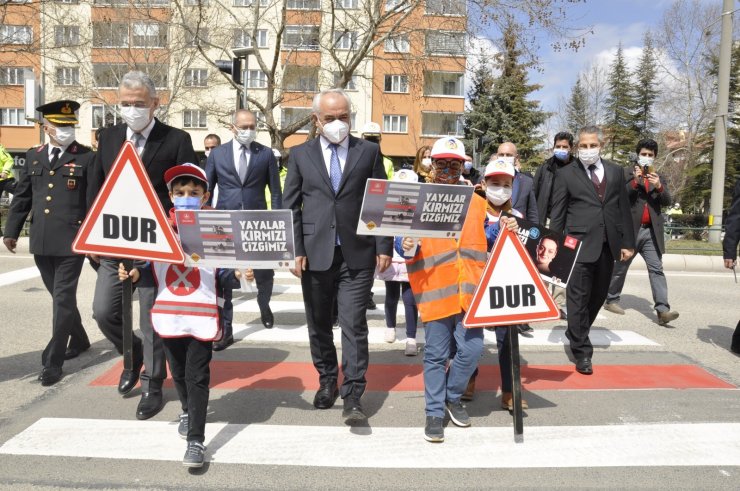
[{"x": 647, "y": 193}]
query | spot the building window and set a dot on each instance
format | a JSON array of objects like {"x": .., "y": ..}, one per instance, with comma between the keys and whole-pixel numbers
[
  {"x": 442, "y": 124},
  {"x": 68, "y": 76},
  {"x": 398, "y": 5},
  {"x": 346, "y": 40},
  {"x": 243, "y": 38},
  {"x": 290, "y": 115},
  {"x": 149, "y": 35},
  {"x": 301, "y": 78},
  {"x": 196, "y": 77},
  {"x": 196, "y": 36},
  {"x": 301, "y": 37},
  {"x": 104, "y": 116},
  {"x": 445, "y": 7},
  {"x": 249, "y": 3},
  {"x": 11, "y": 75},
  {"x": 444, "y": 84},
  {"x": 256, "y": 79},
  {"x": 110, "y": 35},
  {"x": 346, "y": 4},
  {"x": 194, "y": 118},
  {"x": 13, "y": 116},
  {"x": 397, "y": 44},
  {"x": 304, "y": 4},
  {"x": 445, "y": 43},
  {"x": 66, "y": 36},
  {"x": 15, "y": 34},
  {"x": 195, "y": 3},
  {"x": 351, "y": 85},
  {"x": 396, "y": 83},
  {"x": 67, "y": 1},
  {"x": 394, "y": 123}
]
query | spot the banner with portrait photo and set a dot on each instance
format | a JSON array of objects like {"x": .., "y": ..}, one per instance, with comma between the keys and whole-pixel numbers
[{"x": 554, "y": 255}]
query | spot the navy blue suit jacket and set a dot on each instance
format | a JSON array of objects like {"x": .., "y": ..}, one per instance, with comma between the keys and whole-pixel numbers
[
  {"x": 232, "y": 194},
  {"x": 522, "y": 197}
]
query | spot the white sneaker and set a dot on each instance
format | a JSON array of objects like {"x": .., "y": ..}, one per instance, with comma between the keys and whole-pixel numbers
[
  {"x": 410, "y": 347},
  {"x": 390, "y": 334}
]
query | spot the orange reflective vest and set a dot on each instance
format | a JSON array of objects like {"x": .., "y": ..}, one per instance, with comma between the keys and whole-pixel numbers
[{"x": 445, "y": 272}]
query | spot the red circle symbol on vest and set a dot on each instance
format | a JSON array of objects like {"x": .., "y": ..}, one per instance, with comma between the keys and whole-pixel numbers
[{"x": 182, "y": 280}]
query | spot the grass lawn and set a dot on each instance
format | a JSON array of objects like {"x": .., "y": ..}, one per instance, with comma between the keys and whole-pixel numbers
[{"x": 692, "y": 247}]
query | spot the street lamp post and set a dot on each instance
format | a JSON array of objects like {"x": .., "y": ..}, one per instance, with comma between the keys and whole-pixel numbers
[{"x": 720, "y": 126}]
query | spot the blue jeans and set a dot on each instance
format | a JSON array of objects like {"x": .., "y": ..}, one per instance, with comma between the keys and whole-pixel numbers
[{"x": 440, "y": 383}]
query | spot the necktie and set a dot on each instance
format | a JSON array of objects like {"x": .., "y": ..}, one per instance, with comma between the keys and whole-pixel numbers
[
  {"x": 54, "y": 156},
  {"x": 243, "y": 164},
  {"x": 138, "y": 139},
  {"x": 594, "y": 177},
  {"x": 335, "y": 174},
  {"x": 335, "y": 170}
]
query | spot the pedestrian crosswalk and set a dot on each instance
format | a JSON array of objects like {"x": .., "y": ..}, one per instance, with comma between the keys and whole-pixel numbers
[{"x": 296, "y": 441}]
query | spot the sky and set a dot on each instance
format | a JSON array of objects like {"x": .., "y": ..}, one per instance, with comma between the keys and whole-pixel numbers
[{"x": 611, "y": 21}]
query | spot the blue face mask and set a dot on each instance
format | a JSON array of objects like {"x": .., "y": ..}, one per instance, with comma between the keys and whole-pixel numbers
[
  {"x": 561, "y": 154},
  {"x": 186, "y": 202}
]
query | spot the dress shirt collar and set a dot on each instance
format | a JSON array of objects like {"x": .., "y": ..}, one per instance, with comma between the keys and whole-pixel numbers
[
  {"x": 145, "y": 132},
  {"x": 52, "y": 147},
  {"x": 325, "y": 143},
  {"x": 599, "y": 165}
]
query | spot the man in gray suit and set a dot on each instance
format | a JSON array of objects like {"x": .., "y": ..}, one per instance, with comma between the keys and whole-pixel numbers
[
  {"x": 324, "y": 188},
  {"x": 522, "y": 192},
  {"x": 589, "y": 202}
]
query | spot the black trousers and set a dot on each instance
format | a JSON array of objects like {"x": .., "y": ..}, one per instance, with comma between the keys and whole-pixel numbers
[
  {"x": 264, "y": 278},
  {"x": 60, "y": 275},
  {"x": 587, "y": 289},
  {"x": 189, "y": 361},
  {"x": 352, "y": 288}
]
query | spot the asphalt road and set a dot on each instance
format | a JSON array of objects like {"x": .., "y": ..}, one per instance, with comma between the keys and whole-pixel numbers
[{"x": 661, "y": 411}]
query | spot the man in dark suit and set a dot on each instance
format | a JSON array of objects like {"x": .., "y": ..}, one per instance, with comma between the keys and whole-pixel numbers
[
  {"x": 160, "y": 147},
  {"x": 590, "y": 203},
  {"x": 54, "y": 188},
  {"x": 522, "y": 192},
  {"x": 648, "y": 193},
  {"x": 243, "y": 168},
  {"x": 324, "y": 188},
  {"x": 729, "y": 249}
]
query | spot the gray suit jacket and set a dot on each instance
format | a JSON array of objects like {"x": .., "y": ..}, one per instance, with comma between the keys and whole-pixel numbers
[{"x": 318, "y": 215}]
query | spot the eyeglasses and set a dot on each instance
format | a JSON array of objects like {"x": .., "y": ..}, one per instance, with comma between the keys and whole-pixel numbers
[
  {"x": 452, "y": 164},
  {"x": 138, "y": 104}
]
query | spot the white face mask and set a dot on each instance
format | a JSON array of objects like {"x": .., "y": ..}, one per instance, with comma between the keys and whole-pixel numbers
[
  {"x": 207, "y": 152},
  {"x": 498, "y": 195},
  {"x": 245, "y": 137},
  {"x": 426, "y": 162},
  {"x": 589, "y": 155},
  {"x": 65, "y": 135},
  {"x": 136, "y": 118},
  {"x": 336, "y": 131},
  {"x": 643, "y": 161}
]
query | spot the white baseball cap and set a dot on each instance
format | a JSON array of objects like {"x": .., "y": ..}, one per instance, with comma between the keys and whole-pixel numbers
[
  {"x": 448, "y": 148},
  {"x": 500, "y": 166},
  {"x": 371, "y": 128}
]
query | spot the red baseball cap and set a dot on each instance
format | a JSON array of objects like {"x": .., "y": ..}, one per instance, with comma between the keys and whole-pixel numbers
[{"x": 191, "y": 170}]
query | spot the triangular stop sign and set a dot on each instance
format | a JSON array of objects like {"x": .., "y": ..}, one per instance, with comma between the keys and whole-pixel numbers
[
  {"x": 127, "y": 220},
  {"x": 510, "y": 290}
]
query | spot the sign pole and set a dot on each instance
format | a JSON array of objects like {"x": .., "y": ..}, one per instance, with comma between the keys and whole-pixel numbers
[
  {"x": 516, "y": 379},
  {"x": 126, "y": 317}
]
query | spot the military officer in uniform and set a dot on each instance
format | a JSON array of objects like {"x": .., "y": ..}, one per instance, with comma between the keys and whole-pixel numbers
[{"x": 53, "y": 189}]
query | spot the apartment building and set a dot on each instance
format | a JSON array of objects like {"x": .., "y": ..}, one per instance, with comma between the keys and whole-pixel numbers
[{"x": 407, "y": 60}]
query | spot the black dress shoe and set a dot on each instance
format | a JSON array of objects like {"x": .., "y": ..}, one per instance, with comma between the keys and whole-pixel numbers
[
  {"x": 149, "y": 405},
  {"x": 326, "y": 395},
  {"x": 75, "y": 352},
  {"x": 50, "y": 376},
  {"x": 353, "y": 410},
  {"x": 268, "y": 320},
  {"x": 223, "y": 343},
  {"x": 584, "y": 366},
  {"x": 129, "y": 378}
]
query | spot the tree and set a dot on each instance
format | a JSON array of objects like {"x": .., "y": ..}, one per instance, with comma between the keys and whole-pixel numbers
[
  {"x": 620, "y": 105},
  {"x": 577, "y": 108},
  {"x": 646, "y": 91},
  {"x": 502, "y": 109}
]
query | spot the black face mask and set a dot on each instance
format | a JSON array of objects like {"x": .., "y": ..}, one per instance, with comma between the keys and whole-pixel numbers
[{"x": 373, "y": 139}]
